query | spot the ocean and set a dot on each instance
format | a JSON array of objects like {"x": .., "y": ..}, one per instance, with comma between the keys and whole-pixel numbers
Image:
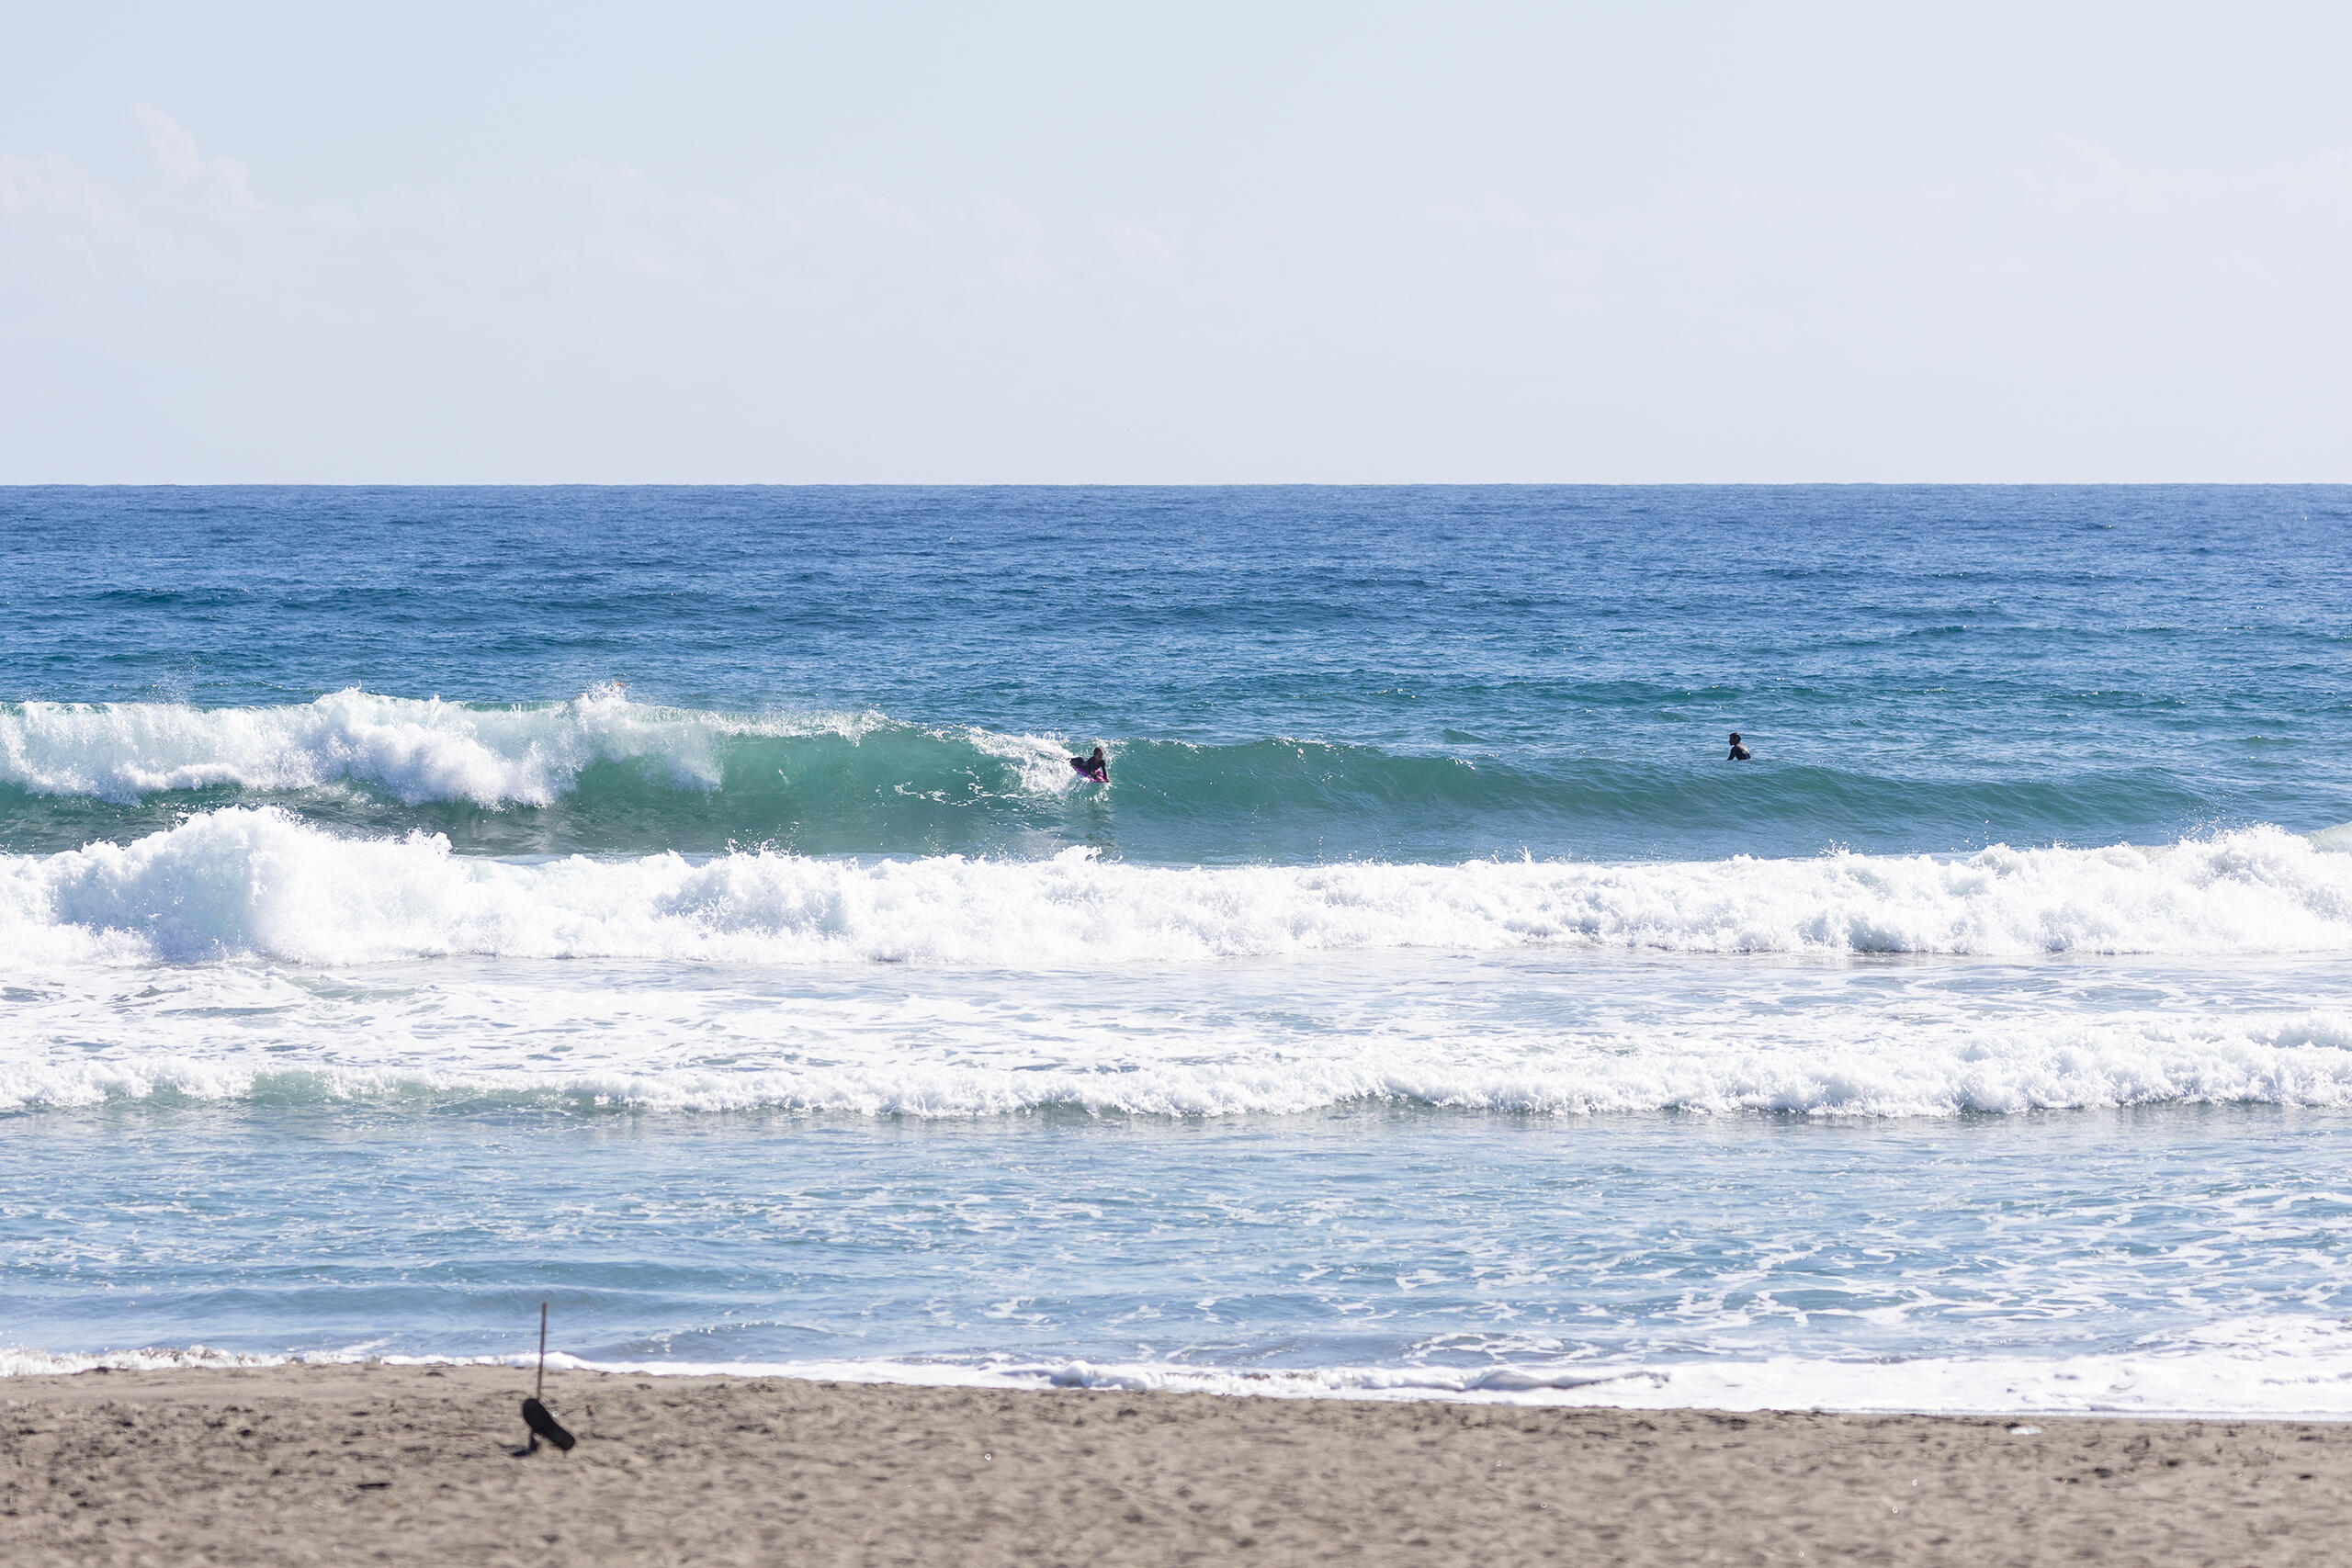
[{"x": 676, "y": 905}]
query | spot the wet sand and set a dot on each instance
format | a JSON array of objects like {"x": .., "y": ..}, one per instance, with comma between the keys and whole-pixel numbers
[{"x": 411, "y": 1465}]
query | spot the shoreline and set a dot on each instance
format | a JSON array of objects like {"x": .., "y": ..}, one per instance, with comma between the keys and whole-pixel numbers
[
  {"x": 1170, "y": 1379},
  {"x": 307, "y": 1464}
]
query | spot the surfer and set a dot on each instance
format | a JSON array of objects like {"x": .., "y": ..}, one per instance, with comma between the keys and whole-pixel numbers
[
  {"x": 1096, "y": 767},
  {"x": 1740, "y": 753}
]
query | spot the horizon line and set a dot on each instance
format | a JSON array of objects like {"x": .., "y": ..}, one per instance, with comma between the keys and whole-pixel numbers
[{"x": 1176, "y": 484}]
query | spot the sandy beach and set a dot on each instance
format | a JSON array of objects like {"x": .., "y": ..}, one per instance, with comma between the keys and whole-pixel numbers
[{"x": 407, "y": 1464}]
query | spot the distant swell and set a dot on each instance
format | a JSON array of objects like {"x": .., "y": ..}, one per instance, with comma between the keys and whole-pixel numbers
[{"x": 244, "y": 881}]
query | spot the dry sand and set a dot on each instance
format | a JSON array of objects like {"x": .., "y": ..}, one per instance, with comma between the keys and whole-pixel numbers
[{"x": 385, "y": 1464}]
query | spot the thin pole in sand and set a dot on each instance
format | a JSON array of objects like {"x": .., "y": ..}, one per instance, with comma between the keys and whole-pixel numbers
[{"x": 535, "y": 1415}]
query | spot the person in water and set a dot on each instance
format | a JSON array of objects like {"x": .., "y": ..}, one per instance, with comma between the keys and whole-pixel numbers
[
  {"x": 1740, "y": 753},
  {"x": 1096, "y": 767}
]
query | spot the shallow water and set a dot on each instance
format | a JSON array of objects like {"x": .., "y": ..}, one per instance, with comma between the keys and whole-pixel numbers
[{"x": 2166, "y": 1259}]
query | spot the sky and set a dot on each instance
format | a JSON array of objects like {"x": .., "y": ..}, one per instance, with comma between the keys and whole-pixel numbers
[{"x": 1209, "y": 244}]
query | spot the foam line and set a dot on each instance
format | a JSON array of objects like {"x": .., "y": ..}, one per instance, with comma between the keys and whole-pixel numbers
[
  {"x": 1965, "y": 1064},
  {"x": 2276, "y": 1366},
  {"x": 247, "y": 881}
]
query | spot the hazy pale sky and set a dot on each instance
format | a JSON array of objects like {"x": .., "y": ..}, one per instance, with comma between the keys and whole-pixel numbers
[{"x": 1207, "y": 242}]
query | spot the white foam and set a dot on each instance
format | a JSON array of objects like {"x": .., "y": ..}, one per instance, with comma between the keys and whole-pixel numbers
[
  {"x": 258, "y": 882},
  {"x": 1041, "y": 764},
  {"x": 1963, "y": 1065},
  {"x": 417, "y": 750},
  {"x": 414, "y": 751},
  {"x": 17, "y": 1362},
  {"x": 1526, "y": 1030},
  {"x": 231, "y": 958},
  {"x": 2277, "y": 1368}
]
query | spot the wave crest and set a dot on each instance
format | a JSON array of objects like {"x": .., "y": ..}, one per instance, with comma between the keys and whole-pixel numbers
[
  {"x": 257, "y": 881},
  {"x": 418, "y": 751}
]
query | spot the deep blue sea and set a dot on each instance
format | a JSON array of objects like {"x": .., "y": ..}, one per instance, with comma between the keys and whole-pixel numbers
[{"x": 677, "y": 905}]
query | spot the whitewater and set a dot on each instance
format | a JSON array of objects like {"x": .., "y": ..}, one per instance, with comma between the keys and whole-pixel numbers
[
  {"x": 680, "y": 905},
  {"x": 259, "y": 882},
  {"x": 417, "y": 750},
  {"x": 1506, "y": 1033}
]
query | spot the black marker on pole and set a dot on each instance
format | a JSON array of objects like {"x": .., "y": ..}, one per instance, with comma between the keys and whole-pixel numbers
[{"x": 535, "y": 1415}]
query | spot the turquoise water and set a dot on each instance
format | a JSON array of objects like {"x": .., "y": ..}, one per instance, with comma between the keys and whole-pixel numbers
[{"x": 677, "y": 904}]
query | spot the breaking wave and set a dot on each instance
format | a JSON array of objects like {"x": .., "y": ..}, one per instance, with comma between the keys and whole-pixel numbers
[
  {"x": 598, "y": 772},
  {"x": 248, "y": 881},
  {"x": 603, "y": 775},
  {"x": 412, "y": 751}
]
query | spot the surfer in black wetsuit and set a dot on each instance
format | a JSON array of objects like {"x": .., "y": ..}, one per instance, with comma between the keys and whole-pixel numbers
[
  {"x": 1096, "y": 767},
  {"x": 1740, "y": 753}
]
